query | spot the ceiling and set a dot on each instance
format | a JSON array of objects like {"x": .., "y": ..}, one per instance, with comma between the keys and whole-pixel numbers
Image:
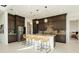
[{"x": 41, "y": 11}]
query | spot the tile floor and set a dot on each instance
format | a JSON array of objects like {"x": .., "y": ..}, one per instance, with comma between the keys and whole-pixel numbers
[{"x": 19, "y": 47}]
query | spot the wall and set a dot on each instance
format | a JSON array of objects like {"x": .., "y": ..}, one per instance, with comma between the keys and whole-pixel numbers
[
  {"x": 5, "y": 27},
  {"x": 3, "y": 20},
  {"x": 74, "y": 26},
  {"x": 67, "y": 29},
  {"x": 28, "y": 25}
]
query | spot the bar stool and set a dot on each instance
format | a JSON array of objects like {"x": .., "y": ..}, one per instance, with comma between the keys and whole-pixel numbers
[
  {"x": 28, "y": 40},
  {"x": 33, "y": 38},
  {"x": 24, "y": 42},
  {"x": 45, "y": 44},
  {"x": 39, "y": 42},
  {"x": 35, "y": 42}
]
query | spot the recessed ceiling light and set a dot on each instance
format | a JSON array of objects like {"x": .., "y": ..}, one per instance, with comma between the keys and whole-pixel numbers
[
  {"x": 11, "y": 9},
  {"x": 45, "y": 6},
  {"x": 37, "y": 10}
]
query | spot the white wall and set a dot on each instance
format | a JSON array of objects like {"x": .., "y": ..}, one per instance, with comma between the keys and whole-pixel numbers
[
  {"x": 5, "y": 27},
  {"x": 3, "y": 20},
  {"x": 67, "y": 29},
  {"x": 28, "y": 28},
  {"x": 74, "y": 26}
]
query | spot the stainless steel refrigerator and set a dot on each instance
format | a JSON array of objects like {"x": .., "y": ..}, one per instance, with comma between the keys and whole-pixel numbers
[{"x": 20, "y": 33}]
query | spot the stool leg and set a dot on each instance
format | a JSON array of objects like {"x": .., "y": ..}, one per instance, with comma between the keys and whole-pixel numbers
[
  {"x": 27, "y": 42},
  {"x": 41, "y": 46},
  {"x": 30, "y": 41},
  {"x": 38, "y": 45},
  {"x": 35, "y": 44},
  {"x": 48, "y": 48}
]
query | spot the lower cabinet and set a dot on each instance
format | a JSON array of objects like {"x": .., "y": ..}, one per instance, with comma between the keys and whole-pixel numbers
[
  {"x": 11, "y": 38},
  {"x": 60, "y": 38}
]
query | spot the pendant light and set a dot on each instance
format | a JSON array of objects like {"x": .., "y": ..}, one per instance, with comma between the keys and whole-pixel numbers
[
  {"x": 37, "y": 22},
  {"x": 45, "y": 20}
]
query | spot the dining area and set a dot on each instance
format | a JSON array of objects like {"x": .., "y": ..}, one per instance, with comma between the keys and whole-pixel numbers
[{"x": 40, "y": 42}]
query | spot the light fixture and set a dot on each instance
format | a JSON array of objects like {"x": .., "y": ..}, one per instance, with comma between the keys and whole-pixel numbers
[
  {"x": 45, "y": 6},
  {"x": 11, "y": 9},
  {"x": 45, "y": 20},
  {"x": 37, "y": 22},
  {"x": 30, "y": 23},
  {"x": 37, "y": 10}
]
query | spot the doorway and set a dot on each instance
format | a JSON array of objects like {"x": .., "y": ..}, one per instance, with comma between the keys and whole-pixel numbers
[{"x": 74, "y": 30}]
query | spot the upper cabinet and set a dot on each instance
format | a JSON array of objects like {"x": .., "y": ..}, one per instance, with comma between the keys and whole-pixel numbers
[
  {"x": 19, "y": 20},
  {"x": 14, "y": 21},
  {"x": 55, "y": 22},
  {"x": 11, "y": 23}
]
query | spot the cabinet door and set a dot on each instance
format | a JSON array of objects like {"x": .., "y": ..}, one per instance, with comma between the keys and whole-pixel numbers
[
  {"x": 12, "y": 38},
  {"x": 60, "y": 38},
  {"x": 35, "y": 27},
  {"x": 11, "y": 23},
  {"x": 20, "y": 21}
]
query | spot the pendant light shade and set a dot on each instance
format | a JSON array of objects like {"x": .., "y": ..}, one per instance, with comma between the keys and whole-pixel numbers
[
  {"x": 37, "y": 22},
  {"x": 45, "y": 20},
  {"x": 30, "y": 23}
]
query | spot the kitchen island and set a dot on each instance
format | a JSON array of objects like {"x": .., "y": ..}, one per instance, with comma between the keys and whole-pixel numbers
[{"x": 41, "y": 41}]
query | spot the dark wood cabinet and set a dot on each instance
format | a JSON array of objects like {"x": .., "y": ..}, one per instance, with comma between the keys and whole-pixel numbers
[
  {"x": 19, "y": 20},
  {"x": 35, "y": 27},
  {"x": 38, "y": 27},
  {"x": 11, "y": 38},
  {"x": 11, "y": 28},
  {"x": 60, "y": 38},
  {"x": 13, "y": 22},
  {"x": 57, "y": 22}
]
